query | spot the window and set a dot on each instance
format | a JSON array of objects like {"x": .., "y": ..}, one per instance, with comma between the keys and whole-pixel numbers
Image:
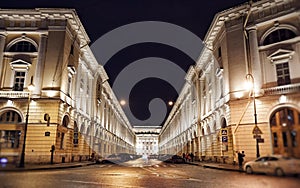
[
  {"x": 10, "y": 117},
  {"x": 293, "y": 137},
  {"x": 10, "y": 139},
  {"x": 275, "y": 140},
  {"x": 72, "y": 50},
  {"x": 81, "y": 83},
  {"x": 62, "y": 137},
  {"x": 284, "y": 138},
  {"x": 283, "y": 74},
  {"x": 75, "y": 136},
  {"x": 22, "y": 46},
  {"x": 273, "y": 121},
  {"x": 279, "y": 35},
  {"x": 69, "y": 85},
  {"x": 98, "y": 92},
  {"x": 219, "y": 52},
  {"x": 82, "y": 128},
  {"x": 66, "y": 121},
  {"x": 19, "y": 81},
  {"x": 87, "y": 89}
]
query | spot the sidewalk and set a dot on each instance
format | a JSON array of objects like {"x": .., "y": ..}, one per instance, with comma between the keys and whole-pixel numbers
[
  {"x": 219, "y": 166},
  {"x": 30, "y": 167}
]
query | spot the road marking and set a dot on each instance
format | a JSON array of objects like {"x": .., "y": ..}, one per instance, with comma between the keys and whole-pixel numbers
[
  {"x": 193, "y": 179},
  {"x": 97, "y": 183}
]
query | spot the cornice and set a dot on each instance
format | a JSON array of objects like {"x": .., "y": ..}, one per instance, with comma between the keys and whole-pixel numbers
[
  {"x": 48, "y": 17},
  {"x": 275, "y": 7}
]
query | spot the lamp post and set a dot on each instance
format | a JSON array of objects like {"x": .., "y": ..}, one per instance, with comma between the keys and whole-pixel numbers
[
  {"x": 22, "y": 160},
  {"x": 250, "y": 78}
]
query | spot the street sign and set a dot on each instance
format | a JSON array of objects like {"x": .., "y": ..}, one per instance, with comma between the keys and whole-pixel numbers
[
  {"x": 224, "y": 138},
  {"x": 224, "y": 131},
  {"x": 256, "y": 130},
  {"x": 257, "y": 136},
  {"x": 260, "y": 140}
]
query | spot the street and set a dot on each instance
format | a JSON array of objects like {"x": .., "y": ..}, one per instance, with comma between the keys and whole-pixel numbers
[{"x": 141, "y": 174}]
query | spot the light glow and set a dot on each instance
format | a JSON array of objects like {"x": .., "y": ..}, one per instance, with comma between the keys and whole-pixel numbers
[
  {"x": 9, "y": 103},
  {"x": 282, "y": 99},
  {"x": 51, "y": 93},
  {"x": 122, "y": 102},
  {"x": 239, "y": 94}
]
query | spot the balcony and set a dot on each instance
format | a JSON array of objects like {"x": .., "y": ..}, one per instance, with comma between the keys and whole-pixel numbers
[
  {"x": 14, "y": 94},
  {"x": 279, "y": 90}
]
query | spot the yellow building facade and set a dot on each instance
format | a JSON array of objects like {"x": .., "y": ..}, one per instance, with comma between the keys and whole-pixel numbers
[
  {"x": 244, "y": 87},
  {"x": 72, "y": 109}
]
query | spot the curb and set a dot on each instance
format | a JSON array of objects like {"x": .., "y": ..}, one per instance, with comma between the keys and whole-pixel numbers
[
  {"x": 221, "y": 168},
  {"x": 16, "y": 169},
  {"x": 215, "y": 167}
]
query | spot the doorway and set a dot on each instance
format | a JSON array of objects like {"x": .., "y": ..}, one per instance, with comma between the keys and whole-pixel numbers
[{"x": 285, "y": 127}]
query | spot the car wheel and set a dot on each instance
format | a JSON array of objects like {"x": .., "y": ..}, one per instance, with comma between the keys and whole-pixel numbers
[
  {"x": 279, "y": 172},
  {"x": 249, "y": 170}
]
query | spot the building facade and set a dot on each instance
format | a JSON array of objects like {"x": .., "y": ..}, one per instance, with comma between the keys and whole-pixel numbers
[
  {"x": 247, "y": 86},
  {"x": 72, "y": 110},
  {"x": 147, "y": 140}
]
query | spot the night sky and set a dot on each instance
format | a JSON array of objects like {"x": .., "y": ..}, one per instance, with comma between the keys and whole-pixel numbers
[{"x": 101, "y": 16}]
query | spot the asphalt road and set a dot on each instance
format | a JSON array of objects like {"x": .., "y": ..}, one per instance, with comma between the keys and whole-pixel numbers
[{"x": 139, "y": 174}]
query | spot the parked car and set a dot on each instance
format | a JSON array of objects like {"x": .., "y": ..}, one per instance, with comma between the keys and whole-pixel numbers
[
  {"x": 274, "y": 164},
  {"x": 113, "y": 158},
  {"x": 125, "y": 157},
  {"x": 174, "y": 159},
  {"x": 118, "y": 158}
]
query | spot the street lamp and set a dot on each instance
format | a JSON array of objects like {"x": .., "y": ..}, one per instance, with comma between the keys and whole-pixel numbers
[
  {"x": 22, "y": 160},
  {"x": 250, "y": 78}
]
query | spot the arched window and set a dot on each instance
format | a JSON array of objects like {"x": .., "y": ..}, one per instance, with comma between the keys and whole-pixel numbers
[
  {"x": 279, "y": 35},
  {"x": 285, "y": 128},
  {"x": 75, "y": 137},
  {"x": 9, "y": 138},
  {"x": 66, "y": 121},
  {"x": 23, "y": 46},
  {"x": 223, "y": 123},
  {"x": 10, "y": 117},
  {"x": 82, "y": 128}
]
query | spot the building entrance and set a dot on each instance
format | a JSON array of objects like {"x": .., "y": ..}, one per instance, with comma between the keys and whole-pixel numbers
[{"x": 285, "y": 130}]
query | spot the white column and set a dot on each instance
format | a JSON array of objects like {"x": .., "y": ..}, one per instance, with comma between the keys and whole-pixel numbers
[
  {"x": 2, "y": 44},
  {"x": 254, "y": 58},
  {"x": 39, "y": 71}
]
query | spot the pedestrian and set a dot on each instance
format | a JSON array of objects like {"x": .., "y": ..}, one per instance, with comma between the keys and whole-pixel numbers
[
  {"x": 192, "y": 157},
  {"x": 241, "y": 159},
  {"x": 188, "y": 157},
  {"x": 183, "y": 156}
]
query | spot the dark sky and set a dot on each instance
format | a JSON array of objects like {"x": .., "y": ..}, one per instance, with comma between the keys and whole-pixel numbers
[{"x": 102, "y": 16}]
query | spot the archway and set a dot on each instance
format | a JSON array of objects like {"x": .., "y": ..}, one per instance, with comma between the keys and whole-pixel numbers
[
  {"x": 10, "y": 130},
  {"x": 285, "y": 128}
]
